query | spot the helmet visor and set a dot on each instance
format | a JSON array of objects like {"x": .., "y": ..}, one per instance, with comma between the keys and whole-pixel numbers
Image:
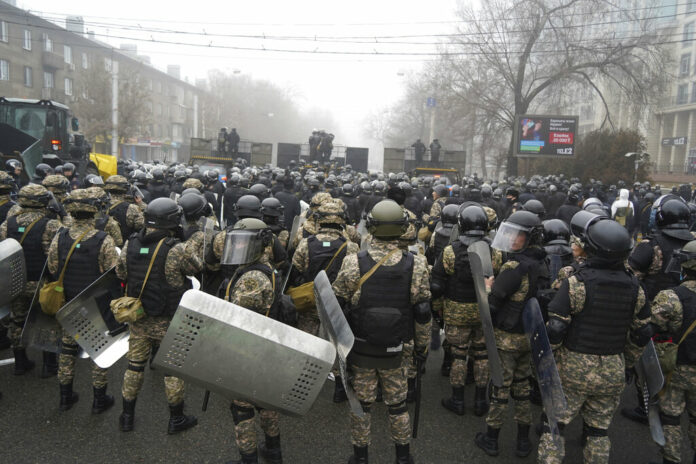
[
  {"x": 677, "y": 260},
  {"x": 511, "y": 238},
  {"x": 241, "y": 247}
]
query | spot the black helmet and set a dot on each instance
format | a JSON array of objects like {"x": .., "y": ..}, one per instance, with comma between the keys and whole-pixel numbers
[
  {"x": 556, "y": 232},
  {"x": 12, "y": 164},
  {"x": 92, "y": 180},
  {"x": 518, "y": 232},
  {"x": 194, "y": 205},
  {"x": 573, "y": 195},
  {"x": 211, "y": 175},
  {"x": 473, "y": 221},
  {"x": 248, "y": 206},
  {"x": 42, "y": 170},
  {"x": 387, "y": 220},
  {"x": 157, "y": 175},
  {"x": 163, "y": 213},
  {"x": 406, "y": 187},
  {"x": 245, "y": 242},
  {"x": 449, "y": 214},
  {"x": 313, "y": 183},
  {"x": 180, "y": 175},
  {"x": 190, "y": 190},
  {"x": 380, "y": 187},
  {"x": 441, "y": 190},
  {"x": 607, "y": 238},
  {"x": 536, "y": 207},
  {"x": 272, "y": 207},
  {"x": 348, "y": 190},
  {"x": 260, "y": 191},
  {"x": 396, "y": 193},
  {"x": 672, "y": 217}
]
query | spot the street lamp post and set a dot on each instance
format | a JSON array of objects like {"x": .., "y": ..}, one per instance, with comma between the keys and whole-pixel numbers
[{"x": 637, "y": 161}]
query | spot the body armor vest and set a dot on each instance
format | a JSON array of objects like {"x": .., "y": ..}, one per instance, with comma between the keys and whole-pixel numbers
[
  {"x": 602, "y": 325},
  {"x": 32, "y": 246},
  {"x": 440, "y": 242},
  {"x": 4, "y": 209},
  {"x": 119, "y": 213},
  {"x": 460, "y": 285},
  {"x": 662, "y": 280},
  {"x": 83, "y": 267},
  {"x": 159, "y": 298},
  {"x": 687, "y": 350},
  {"x": 320, "y": 256}
]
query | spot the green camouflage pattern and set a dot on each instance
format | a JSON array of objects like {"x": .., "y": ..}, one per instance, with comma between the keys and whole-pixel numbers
[
  {"x": 108, "y": 257},
  {"x": 134, "y": 215},
  {"x": 565, "y": 272},
  {"x": 517, "y": 369},
  {"x": 116, "y": 184},
  {"x": 192, "y": 182},
  {"x": 245, "y": 431},
  {"x": 467, "y": 340},
  {"x": 66, "y": 365},
  {"x": 27, "y": 192}
]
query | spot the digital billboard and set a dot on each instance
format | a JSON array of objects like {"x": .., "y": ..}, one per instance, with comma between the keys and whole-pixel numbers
[{"x": 545, "y": 135}]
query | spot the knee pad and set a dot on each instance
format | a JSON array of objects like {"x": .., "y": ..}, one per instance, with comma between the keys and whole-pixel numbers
[
  {"x": 461, "y": 357},
  {"x": 241, "y": 413},
  {"x": 398, "y": 408},
  {"x": 136, "y": 366},
  {"x": 594, "y": 431},
  {"x": 69, "y": 350},
  {"x": 366, "y": 405},
  {"x": 670, "y": 420}
]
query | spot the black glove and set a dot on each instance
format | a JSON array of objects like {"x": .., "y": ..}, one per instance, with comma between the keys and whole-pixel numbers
[
  {"x": 630, "y": 375},
  {"x": 420, "y": 354}
]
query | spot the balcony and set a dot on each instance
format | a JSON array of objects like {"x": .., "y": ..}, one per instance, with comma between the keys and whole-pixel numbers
[{"x": 52, "y": 60}]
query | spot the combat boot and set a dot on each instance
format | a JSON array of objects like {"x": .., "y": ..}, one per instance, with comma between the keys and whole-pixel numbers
[
  {"x": 153, "y": 353},
  {"x": 470, "y": 371},
  {"x": 178, "y": 422},
  {"x": 524, "y": 446},
  {"x": 636, "y": 414},
  {"x": 5, "y": 341},
  {"x": 446, "y": 360},
  {"x": 252, "y": 458},
  {"x": 270, "y": 450},
  {"x": 22, "y": 364},
  {"x": 50, "y": 365},
  {"x": 411, "y": 393},
  {"x": 480, "y": 401},
  {"x": 127, "y": 417},
  {"x": 67, "y": 397},
  {"x": 456, "y": 402},
  {"x": 101, "y": 401},
  {"x": 359, "y": 455},
  {"x": 488, "y": 441},
  {"x": 403, "y": 456},
  {"x": 339, "y": 395}
]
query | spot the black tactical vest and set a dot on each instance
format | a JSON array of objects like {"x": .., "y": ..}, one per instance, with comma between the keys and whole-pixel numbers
[
  {"x": 687, "y": 350},
  {"x": 460, "y": 285},
  {"x": 119, "y": 213},
  {"x": 32, "y": 246},
  {"x": 159, "y": 298},
  {"x": 440, "y": 242},
  {"x": 4, "y": 209},
  {"x": 83, "y": 267},
  {"x": 662, "y": 280},
  {"x": 320, "y": 256},
  {"x": 602, "y": 325},
  {"x": 383, "y": 295}
]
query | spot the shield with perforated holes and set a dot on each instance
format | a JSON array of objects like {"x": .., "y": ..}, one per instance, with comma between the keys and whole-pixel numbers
[
  {"x": 13, "y": 267},
  {"x": 242, "y": 354},
  {"x": 89, "y": 320}
]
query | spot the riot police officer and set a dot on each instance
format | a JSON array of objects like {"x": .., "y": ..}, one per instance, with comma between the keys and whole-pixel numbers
[
  {"x": 128, "y": 215},
  {"x": 7, "y": 187},
  {"x": 382, "y": 320},
  {"x": 157, "y": 187},
  {"x": 272, "y": 211},
  {"x": 443, "y": 235},
  {"x": 155, "y": 247}
]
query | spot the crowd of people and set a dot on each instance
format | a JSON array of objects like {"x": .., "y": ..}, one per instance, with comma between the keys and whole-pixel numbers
[{"x": 612, "y": 267}]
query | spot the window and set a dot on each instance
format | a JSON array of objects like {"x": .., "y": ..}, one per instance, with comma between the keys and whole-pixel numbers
[
  {"x": 68, "y": 86},
  {"x": 85, "y": 61},
  {"x": 158, "y": 109},
  {"x": 4, "y": 70},
  {"x": 107, "y": 64},
  {"x": 27, "y": 39},
  {"x": 682, "y": 94},
  {"x": 28, "y": 77},
  {"x": 685, "y": 64},
  {"x": 48, "y": 80},
  {"x": 693, "y": 92},
  {"x": 67, "y": 54},
  {"x": 4, "y": 36},
  {"x": 48, "y": 43},
  {"x": 691, "y": 6},
  {"x": 688, "y": 35},
  {"x": 158, "y": 87}
]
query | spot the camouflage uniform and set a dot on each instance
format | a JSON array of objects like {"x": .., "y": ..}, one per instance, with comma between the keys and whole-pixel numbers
[
  {"x": 180, "y": 262},
  {"x": 193, "y": 183},
  {"x": 592, "y": 384},
  {"x": 27, "y": 211},
  {"x": 393, "y": 381},
  {"x": 107, "y": 259},
  {"x": 680, "y": 388},
  {"x": 134, "y": 215},
  {"x": 253, "y": 291}
]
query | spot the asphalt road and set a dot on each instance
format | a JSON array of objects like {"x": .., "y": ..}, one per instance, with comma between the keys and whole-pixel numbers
[{"x": 33, "y": 430}]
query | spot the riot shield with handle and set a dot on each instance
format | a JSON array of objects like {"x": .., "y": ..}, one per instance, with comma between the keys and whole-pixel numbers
[
  {"x": 338, "y": 331},
  {"x": 89, "y": 320},
  {"x": 294, "y": 231},
  {"x": 651, "y": 380},
  {"x": 482, "y": 267},
  {"x": 13, "y": 267},
  {"x": 242, "y": 354},
  {"x": 552, "y": 396}
]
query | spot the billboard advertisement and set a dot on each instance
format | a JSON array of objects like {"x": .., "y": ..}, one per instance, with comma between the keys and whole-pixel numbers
[{"x": 545, "y": 135}]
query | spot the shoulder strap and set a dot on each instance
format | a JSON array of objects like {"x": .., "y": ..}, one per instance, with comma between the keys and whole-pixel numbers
[
  {"x": 345, "y": 244},
  {"x": 4, "y": 202},
  {"x": 67, "y": 259},
  {"x": 152, "y": 261},
  {"x": 26, "y": 231},
  {"x": 374, "y": 268},
  {"x": 688, "y": 331}
]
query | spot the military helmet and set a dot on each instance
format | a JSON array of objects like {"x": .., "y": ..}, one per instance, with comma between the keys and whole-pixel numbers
[
  {"x": 688, "y": 256},
  {"x": 58, "y": 184},
  {"x": 556, "y": 232},
  {"x": 33, "y": 196},
  {"x": 672, "y": 216},
  {"x": 272, "y": 207},
  {"x": 608, "y": 239},
  {"x": 193, "y": 205},
  {"x": 12, "y": 164},
  {"x": 92, "y": 180},
  {"x": 348, "y": 190},
  {"x": 387, "y": 220},
  {"x": 518, "y": 232},
  {"x": 536, "y": 207},
  {"x": 260, "y": 191},
  {"x": 193, "y": 183},
  {"x": 473, "y": 221},
  {"x": 331, "y": 212},
  {"x": 248, "y": 206},
  {"x": 163, "y": 213},
  {"x": 7, "y": 183},
  {"x": 158, "y": 175},
  {"x": 86, "y": 200},
  {"x": 245, "y": 242},
  {"x": 318, "y": 199},
  {"x": 449, "y": 214},
  {"x": 441, "y": 191},
  {"x": 116, "y": 184},
  {"x": 42, "y": 170}
]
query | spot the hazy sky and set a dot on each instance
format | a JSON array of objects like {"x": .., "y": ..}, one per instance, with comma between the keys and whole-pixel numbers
[{"x": 350, "y": 85}]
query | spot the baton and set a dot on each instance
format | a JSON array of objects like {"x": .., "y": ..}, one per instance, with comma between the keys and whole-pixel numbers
[
  {"x": 206, "y": 397},
  {"x": 416, "y": 412}
]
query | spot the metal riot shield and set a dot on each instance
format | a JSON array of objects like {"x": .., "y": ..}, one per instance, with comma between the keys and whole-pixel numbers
[
  {"x": 362, "y": 228},
  {"x": 295, "y": 230},
  {"x": 651, "y": 380},
  {"x": 339, "y": 333},
  {"x": 481, "y": 267},
  {"x": 13, "y": 267},
  {"x": 244, "y": 355},
  {"x": 552, "y": 396},
  {"x": 89, "y": 320}
]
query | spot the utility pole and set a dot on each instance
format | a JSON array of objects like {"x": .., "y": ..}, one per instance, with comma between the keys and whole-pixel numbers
[{"x": 114, "y": 108}]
